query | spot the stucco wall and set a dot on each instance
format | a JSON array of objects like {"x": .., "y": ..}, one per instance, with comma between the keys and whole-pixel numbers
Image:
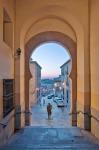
[
  {"x": 8, "y": 130},
  {"x": 6, "y": 70},
  {"x": 49, "y": 24},
  {"x": 6, "y": 53},
  {"x": 94, "y": 66}
]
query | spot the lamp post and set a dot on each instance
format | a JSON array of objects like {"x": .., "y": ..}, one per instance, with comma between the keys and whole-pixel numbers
[
  {"x": 54, "y": 91},
  {"x": 55, "y": 85}
]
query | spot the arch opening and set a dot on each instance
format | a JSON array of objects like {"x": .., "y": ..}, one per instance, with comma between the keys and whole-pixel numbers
[
  {"x": 68, "y": 43},
  {"x": 50, "y": 66},
  {"x": 51, "y": 46}
]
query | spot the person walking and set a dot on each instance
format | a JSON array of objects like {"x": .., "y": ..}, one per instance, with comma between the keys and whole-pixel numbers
[{"x": 49, "y": 110}]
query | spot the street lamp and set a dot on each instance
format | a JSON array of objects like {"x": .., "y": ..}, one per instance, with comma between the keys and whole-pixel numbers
[
  {"x": 60, "y": 88},
  {"x": 63, "y": 84},
  {"x": 55, "y": 84},
  {"x": 54, "y": 91}
]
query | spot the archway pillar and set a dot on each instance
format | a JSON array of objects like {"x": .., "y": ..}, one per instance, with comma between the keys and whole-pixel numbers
[
  {"x": 87, "y": 88},
  {"x": 74, "y": 102},
  {"x": 73, "y": 77},
  {"x": 27, "y": 79},
  {"x": 83, "y": 110},
  {"x": 17, "y": 94},
  {"x": 19, "y": 83},
  {"x": 27, "y": 103},
  {"x": 83, "y": 85}
]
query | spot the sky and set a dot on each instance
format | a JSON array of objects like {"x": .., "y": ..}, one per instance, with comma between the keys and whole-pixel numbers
[{"x": 50, "y": 56}]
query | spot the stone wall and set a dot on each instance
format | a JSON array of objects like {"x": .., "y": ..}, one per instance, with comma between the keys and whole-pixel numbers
[
  {"x": 7, "y": 130},
  {"x": 94, "y": 60},
  {"x": 6, "y": 64}
]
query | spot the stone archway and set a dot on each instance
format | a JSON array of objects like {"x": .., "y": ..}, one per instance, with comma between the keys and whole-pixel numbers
[
  {"x": 61, "y": 17},
  {"x": 67, "y": 42}
]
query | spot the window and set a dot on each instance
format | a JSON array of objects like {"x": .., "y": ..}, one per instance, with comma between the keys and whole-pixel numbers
[{"x": 8, "y": 96}]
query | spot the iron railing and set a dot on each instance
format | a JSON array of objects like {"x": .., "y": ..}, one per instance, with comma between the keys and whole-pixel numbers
[
  {"x": 84, "y": 113},
  {"x": 13, "y": 115}
]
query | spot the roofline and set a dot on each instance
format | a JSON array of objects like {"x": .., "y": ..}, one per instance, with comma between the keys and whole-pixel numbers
[
  {"x": 65, "y": 63},
  {"x": 35, "y": 62}
]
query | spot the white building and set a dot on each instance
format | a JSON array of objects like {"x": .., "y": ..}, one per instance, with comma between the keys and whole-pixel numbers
[
  {"x": 35, "y": 82},
  {"x": 58, "y": 90},
  {"x": 66, "y": 81}
]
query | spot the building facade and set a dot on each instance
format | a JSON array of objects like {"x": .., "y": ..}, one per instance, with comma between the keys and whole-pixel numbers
[
  {"x": 35, "y": 83},
  {"x": 46, "y": 87},
  {"x": 66, "y": 82},
  {"x": 58, "y": 87}
]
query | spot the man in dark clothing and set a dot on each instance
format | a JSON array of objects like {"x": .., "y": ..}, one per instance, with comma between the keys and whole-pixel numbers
[{"x": 49, "y": 110}]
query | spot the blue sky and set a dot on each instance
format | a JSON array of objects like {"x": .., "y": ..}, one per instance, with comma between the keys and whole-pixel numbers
[{"x": 50, "y": 56}]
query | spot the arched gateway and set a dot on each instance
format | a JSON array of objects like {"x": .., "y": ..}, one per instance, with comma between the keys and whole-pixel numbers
[
  {"x": 24, "y": 24},
  {"x": 68, "y": 43},
  {"x": 59, "y": 25}
]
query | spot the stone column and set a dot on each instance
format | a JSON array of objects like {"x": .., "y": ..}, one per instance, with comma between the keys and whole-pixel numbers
[
  {"x": 27, "y": 103},
  {"x": 73, "y": 77},
  {"x": 1, "y": 99},
  {"x": 27, "y": 79},
  {"x": 17, "y": 94},
  {"x": 74, "y": 101}
]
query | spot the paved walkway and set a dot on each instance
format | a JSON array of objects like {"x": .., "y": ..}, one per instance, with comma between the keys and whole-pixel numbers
[
  {"x": 54, "y": 134},
  {"x": 45, "y": 138},
  {"x": 60, "y": 116}
]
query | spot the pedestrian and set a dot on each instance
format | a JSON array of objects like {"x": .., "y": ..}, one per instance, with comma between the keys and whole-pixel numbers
[{"x": 49, "y": 110}]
